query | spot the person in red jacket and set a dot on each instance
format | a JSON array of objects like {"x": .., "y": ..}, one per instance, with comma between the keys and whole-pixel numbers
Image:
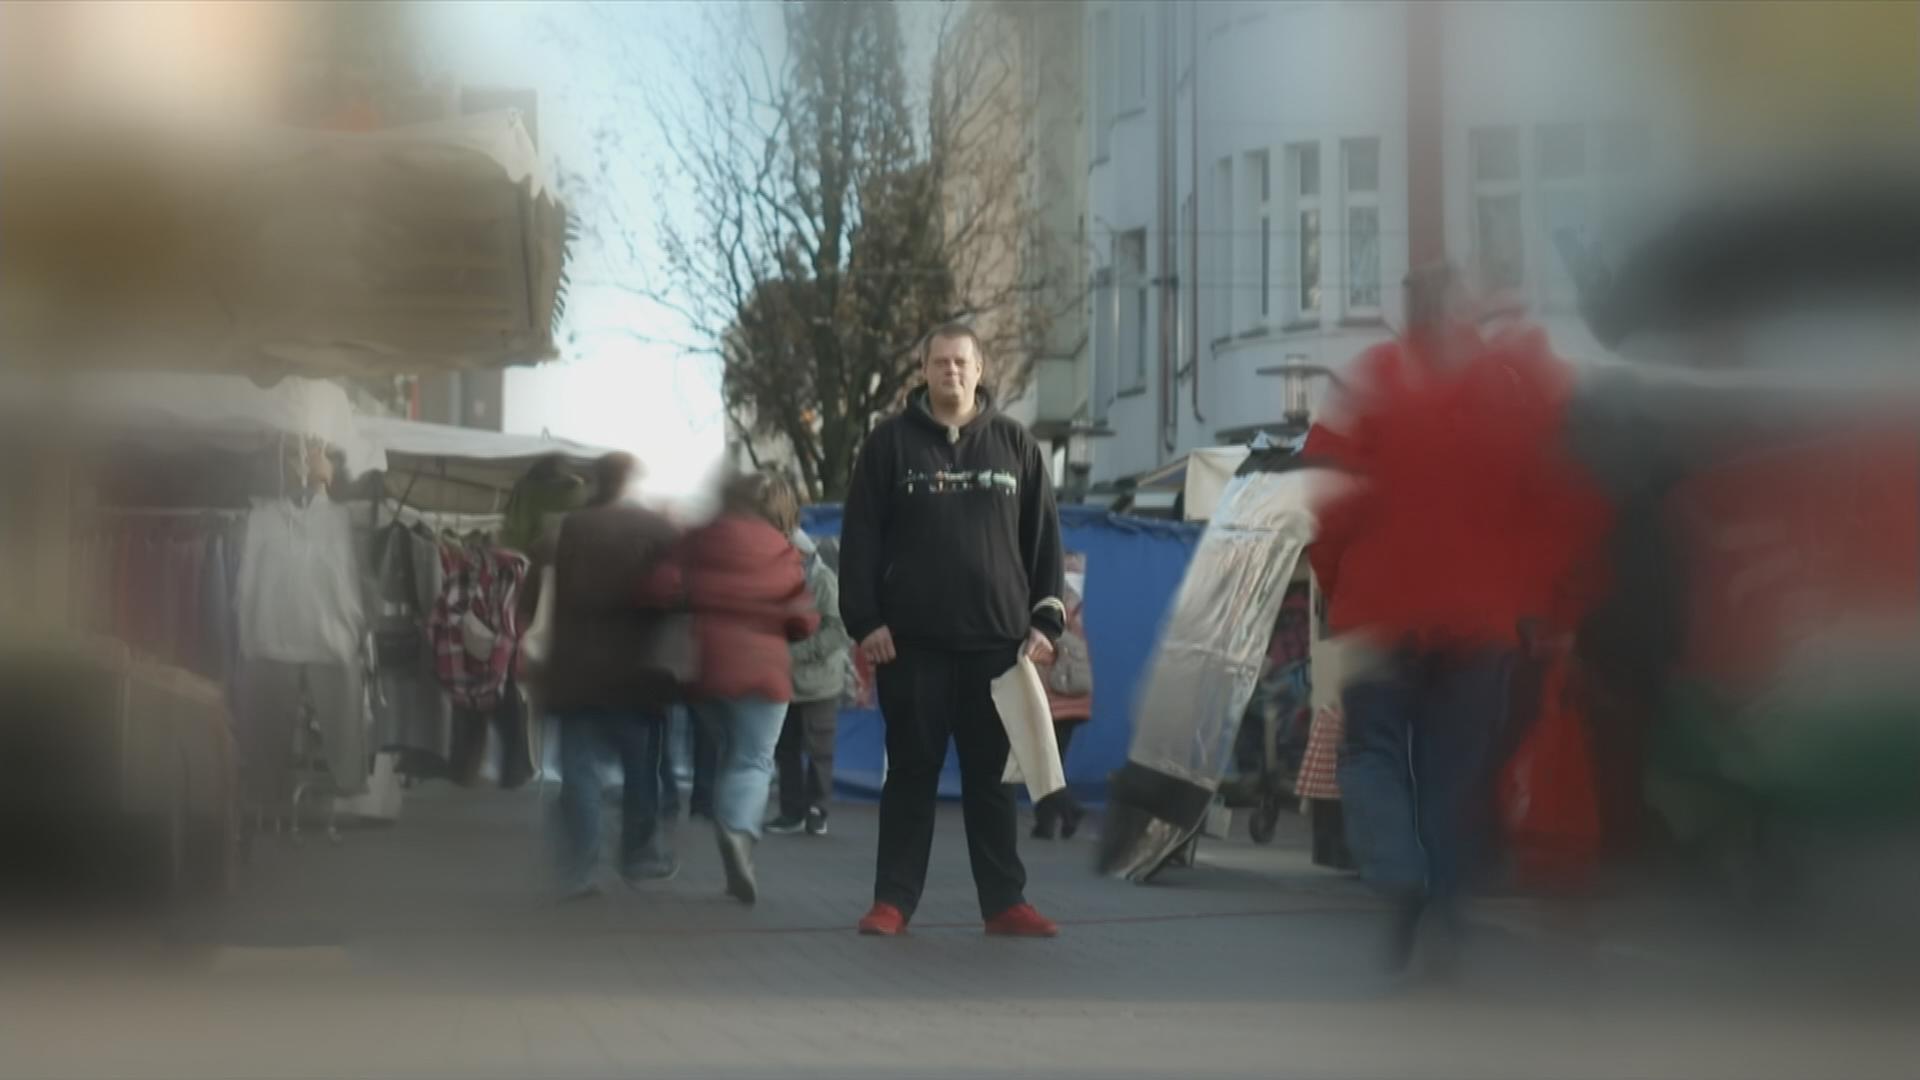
[
  {"x": 745, "y": 585},
  {"x": 1463, "y": 530}
]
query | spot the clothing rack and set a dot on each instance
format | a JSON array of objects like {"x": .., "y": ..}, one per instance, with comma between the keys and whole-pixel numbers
[
  {"x": 165, "y": 512},
  {"x": 440, "y": 521}
]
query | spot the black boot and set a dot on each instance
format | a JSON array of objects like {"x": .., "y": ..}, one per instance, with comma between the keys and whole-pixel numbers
[
  {"x": 1070, "y": 820},
  {"x": 1403, "y": 931},
  {"x": 736, "y": 855}
]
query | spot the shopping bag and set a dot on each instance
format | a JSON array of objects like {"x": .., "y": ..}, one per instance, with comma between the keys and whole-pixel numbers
[
  {"x": 1549, "y": 807},
  {"x": 1021, "y": 699}
]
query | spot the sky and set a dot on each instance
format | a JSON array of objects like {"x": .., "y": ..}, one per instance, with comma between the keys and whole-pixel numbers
[
  {"x": 589, "y": 63},
  {"x": 611, "y": 387}
]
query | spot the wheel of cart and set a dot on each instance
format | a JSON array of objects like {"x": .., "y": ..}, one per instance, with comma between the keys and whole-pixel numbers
[{"x": 1266, "y": 817}]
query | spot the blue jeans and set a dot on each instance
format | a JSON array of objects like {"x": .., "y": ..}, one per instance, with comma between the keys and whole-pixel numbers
[
  {"x": 635, "y": 738},
  {"x": 1416, "y": 769},
  {"x": 745, "y": 732},
  {"x": 673, "y": 735}
]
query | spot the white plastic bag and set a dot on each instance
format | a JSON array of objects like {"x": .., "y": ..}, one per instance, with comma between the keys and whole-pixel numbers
[{"x": 1021, "y": 699}]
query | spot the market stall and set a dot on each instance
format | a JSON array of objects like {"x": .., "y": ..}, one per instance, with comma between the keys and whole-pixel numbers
[
  {"x": 161, "y": 247},
  {"x": 180, "y": 611},
  {"x": 457, "y": 501},
  {"x": 1129, "y": 569}
]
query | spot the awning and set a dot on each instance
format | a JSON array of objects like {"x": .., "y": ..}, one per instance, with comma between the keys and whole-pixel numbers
[
  {"x": 223, "y": 412},
  {"x": 1200, "y": 476},
  {"x": 464, "y": 470},
  {"x": 276, "y": 253}
]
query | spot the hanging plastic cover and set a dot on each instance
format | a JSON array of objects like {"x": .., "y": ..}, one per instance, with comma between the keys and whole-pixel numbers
[{"x": 1210, "y": 654}]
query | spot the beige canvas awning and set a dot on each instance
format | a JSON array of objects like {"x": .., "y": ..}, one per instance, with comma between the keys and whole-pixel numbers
[{"x": 275, "y": 253}]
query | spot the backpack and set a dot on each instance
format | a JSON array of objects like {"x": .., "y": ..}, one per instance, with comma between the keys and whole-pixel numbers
[{"x": 1071, "y": 674}]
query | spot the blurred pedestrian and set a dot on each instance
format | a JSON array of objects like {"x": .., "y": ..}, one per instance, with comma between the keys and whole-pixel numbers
[
  {"x": 1463, "y": 529},
  {"x": 745, "y": 584},
  {"x": 604, "y": 695},
  {"x": 822, "y": 675},
  {"x": 950, "y": 568}
]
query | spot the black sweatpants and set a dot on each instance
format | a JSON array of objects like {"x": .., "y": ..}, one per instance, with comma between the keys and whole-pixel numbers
[{"x": 929, "y": 697}]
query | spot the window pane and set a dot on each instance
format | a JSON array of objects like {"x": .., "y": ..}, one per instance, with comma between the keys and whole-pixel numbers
[
  {"x": 1104, "y": 344},
  {"x": 1133, "y": 60},
  {"x": 1266, "y": 264},
  {"x": 1500, "y": 243},
  {"x": 1131, "y": 257},
  {"x": 1496, "y": 154},
  {"x": 1363, "y": 258},
  {"x": 1139, "y": 339},
  {"x": 1309, "y": 261},
  {"x": 1363, "y": 165},
  {"x": 1563, "y": 151},
  {"x": 1103, "y": 87},
  {"x": 1625, "y": 147},
  {"x": 1307, "y": 155},
  {"x": 1221, "y": 240},
  {"x": 1563, "y": 214}
]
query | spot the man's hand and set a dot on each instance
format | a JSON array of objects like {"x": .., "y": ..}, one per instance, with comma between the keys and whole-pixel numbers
[
  {"x": 878, "y": 647},
  {"x": 1038, "y": 648}
]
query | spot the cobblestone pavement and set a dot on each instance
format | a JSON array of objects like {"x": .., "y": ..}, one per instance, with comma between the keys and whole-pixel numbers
[{"x": 433, "y": 949}]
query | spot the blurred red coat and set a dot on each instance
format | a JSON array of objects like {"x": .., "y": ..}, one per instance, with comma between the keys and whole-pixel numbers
[
  {"x": 1468, "y": 517},
  {"x": 748, "y": 592}
]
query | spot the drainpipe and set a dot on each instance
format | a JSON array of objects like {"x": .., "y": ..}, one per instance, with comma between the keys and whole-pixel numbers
[
  {"x": 1169, "y": 251},
  {"x": 1426, "y": 136},
  {"x": 1192, "y": 224}
]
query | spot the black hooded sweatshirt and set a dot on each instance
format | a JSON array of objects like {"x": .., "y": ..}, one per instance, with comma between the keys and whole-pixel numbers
[{"x": 950, "y": 537}]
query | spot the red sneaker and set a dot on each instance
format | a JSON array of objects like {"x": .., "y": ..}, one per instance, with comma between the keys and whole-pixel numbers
[
  {"x": 1021, "y": 920},
  {"x": 884, "y": 920}
]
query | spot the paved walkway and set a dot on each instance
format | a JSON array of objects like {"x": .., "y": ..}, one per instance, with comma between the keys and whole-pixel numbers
[{"x": 431, "y": 949}]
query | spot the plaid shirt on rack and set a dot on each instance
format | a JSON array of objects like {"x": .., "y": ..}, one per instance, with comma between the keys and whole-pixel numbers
[{"x": 485, "y": 583}]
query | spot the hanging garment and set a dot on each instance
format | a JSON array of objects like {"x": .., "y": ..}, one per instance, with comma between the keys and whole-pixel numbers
[
  {"x": 411, "y": 711},
  {"x": 271, "y": 697},
  {"x": 482, "y": 586},
  {"x": 541, "y": 495},
  {"x": 1319, "y": 769},
  {"x": 299, "y": 595}
]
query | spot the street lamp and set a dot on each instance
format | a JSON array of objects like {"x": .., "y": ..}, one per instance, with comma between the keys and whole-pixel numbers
[{"x": 1296, "y": 390}]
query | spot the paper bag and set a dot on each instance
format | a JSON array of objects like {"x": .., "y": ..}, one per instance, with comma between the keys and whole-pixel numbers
[{"x": 1021, "y": 699}]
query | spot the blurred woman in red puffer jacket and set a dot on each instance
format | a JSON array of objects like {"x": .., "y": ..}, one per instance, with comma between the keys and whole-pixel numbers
[{"x": 746, "y": 587}]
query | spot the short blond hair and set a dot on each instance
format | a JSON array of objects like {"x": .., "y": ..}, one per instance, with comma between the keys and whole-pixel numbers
[
  {"x": 950, "y": 331},
  {"x": 770, "y": 496}
]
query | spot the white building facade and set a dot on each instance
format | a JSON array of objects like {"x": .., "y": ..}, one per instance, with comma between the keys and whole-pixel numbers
[{"x": 1261, "y": 177}]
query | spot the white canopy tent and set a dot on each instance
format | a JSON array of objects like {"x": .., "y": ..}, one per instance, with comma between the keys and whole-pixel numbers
[
  {"x": 225, "y": 412},
  {"x": 463, "y": 470},
  {"x": 1199, "y": 476}
]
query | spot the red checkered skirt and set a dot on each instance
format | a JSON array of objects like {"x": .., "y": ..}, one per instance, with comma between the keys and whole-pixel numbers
[{"x": 1319, "y": 767}]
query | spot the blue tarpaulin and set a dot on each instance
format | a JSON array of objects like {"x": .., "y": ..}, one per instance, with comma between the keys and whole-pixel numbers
[{"x": 1134, "y": 567}]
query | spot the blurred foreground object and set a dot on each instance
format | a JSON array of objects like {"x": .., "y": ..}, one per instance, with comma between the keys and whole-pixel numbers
[{"x": 271, "y": 252}]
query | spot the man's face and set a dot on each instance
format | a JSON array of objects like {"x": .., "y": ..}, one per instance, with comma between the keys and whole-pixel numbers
[{"x": 952, "y": 370}]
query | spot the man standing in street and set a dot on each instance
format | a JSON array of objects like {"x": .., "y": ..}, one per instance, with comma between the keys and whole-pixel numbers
[{"x": 951, "y": 568}]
